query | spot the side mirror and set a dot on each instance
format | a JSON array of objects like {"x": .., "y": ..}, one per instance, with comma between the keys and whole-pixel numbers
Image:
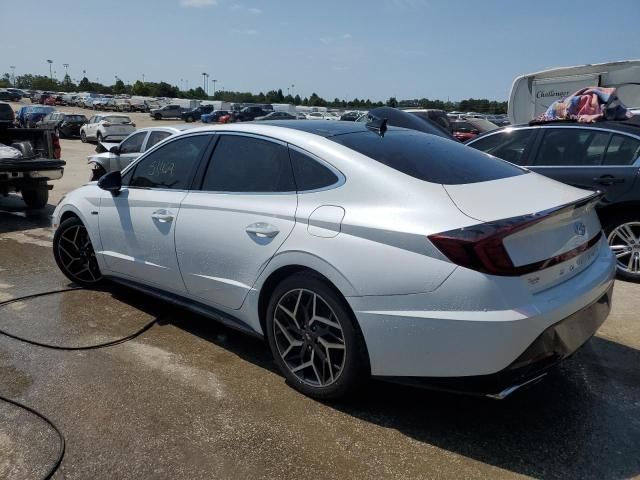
[
  {"x": 111, "y": 182},
  {"x": 115, "y": 150}
]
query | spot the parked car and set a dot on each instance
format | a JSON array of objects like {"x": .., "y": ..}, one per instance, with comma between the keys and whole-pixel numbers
[
  {"x": 439, "y": 117},
  {"x": 29, "y": 158},
  {"x": 350, "y": 116},
  {"x": 122, "y": 105},
  {"x": 29, "y": 116},
  {"x": 107, "y": 127},
  {"x": 250, "y": 113},
  {"x": 603, "y": 156},
  {"x": 9, "y": 96},
  {"x": 168, "y": 111},
  {"x": 214, "y": 117},
  {"x": 17, "y": 91},
  {"x": 470, "y": 128},
  {"x": 464, "y": 277},
  {"x": 63, "y": 124},
  {"x": 319, "y": 116},
  {"x": 195, "y": 114},
  {"x": 401, "y": 118},
  {"x": 117, "y": 157},
  {"x": 277, "y": 116}
]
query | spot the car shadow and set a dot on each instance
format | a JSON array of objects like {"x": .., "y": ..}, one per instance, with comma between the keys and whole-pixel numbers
[
  {"x": 16, "y": 216},
  {"x": 579, "y": 422}
]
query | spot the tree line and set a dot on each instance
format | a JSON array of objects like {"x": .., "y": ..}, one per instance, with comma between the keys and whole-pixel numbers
[{"x": 164, "y": 89}]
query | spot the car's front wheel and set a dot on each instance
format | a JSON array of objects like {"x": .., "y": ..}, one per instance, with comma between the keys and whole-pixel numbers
[
  {"x": 623, "y": 235},
  {"x": 74, "y": 254},
  {"x": 99, "y": 137},
  {"x": 314, "y": 338},
  {"x": 83, "y": 136}
]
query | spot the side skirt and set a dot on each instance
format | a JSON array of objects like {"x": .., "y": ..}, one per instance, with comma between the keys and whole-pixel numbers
[{"x": 191, "y": 305}]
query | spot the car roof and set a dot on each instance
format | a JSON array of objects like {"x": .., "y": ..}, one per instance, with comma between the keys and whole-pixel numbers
[
  {"x": 322, "y": 128},
  {"x": 167, "y": 128},
  {"x": 631, "y": 125}
]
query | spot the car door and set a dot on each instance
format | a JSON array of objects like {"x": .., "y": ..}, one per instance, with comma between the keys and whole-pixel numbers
[
  {"x": 576, "y": 156},
  {"x": 229, "y": 230},
  {"x": 92, "y": 131},
  {"x": 512, "y": 145},
  {"x": 137, "y": 226}
]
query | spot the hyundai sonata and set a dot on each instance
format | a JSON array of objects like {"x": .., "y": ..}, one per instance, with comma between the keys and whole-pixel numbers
[{"x": 356, "y": 250}]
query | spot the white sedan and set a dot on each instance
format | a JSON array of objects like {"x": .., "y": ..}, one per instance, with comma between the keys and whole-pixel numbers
[
  {"x": 107, "y": 128},
  {"x": 355, "y": 250}
]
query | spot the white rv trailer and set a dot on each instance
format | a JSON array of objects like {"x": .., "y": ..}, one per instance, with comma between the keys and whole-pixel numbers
[{"x": 532, "y": 94}]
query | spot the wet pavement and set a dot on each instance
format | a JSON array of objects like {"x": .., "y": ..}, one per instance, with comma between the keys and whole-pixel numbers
[{"x": 190, "y": 399}]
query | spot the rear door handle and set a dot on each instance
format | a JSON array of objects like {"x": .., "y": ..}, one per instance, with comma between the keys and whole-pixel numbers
[
  {"x": 162, "y": 216},
  {"x": 608, "y": 180},
  {"x": 262, "y": 229}
]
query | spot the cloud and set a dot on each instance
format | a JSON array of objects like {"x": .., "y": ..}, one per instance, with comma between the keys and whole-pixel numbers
[
  {"x": 245, "y": 31},
  {"x": 347, "y": 36},
  {"x": 198, "y": 3},
  {"x": 254, "y": 11},
  {"x": 326, "y": 40}
]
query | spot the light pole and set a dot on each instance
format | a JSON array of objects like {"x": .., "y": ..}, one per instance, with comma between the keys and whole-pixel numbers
[
  {"x": 13, "y": 74},
  {"x": 214, "y": 86},
  {"x": 66, "y": 69},
  {"x": 50, "y": 62},
  {"x": 204, "y": 81},
  {"x": 143, "y": 78},
  {"x": 292, "y": 92}
]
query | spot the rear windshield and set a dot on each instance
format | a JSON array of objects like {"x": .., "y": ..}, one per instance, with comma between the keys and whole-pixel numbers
[
  {"x": 76, "y": 118},
  {"x": 41, "y": 109},
  {"x": 429, "y": 157},
  {"x": 117, "y": 119}
]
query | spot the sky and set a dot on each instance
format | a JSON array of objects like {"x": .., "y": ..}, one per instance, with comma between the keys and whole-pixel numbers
[{"x": 438, "y": 49}]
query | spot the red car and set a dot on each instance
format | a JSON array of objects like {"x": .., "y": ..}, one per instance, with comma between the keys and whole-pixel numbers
[{"x": 469, "y": 128}]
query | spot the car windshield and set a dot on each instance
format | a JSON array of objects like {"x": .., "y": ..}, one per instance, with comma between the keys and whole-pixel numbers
[
  {"x": 428, "y": 157},
  {"x": 42, "y": 109},
  {"x": 117, "y": 119}
]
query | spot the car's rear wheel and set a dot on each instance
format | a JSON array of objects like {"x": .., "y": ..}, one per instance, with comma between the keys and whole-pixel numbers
[
  {"x": 83, "y": 136},
  {"x": 99, "y": 137},
  {"x": 35, "y": 197},
  {"x": 74, "y": 254},
  {"x": 623, "y": 235},
  {"x": 157, "y": 116},
  {"x": 314, "y": 338},
  {"x": 189, "y": 119}
]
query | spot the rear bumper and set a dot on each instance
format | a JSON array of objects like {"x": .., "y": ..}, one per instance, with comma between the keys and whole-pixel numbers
[
  {"x": 554, "y": 344},
  {"x": 475, "y": 325}
]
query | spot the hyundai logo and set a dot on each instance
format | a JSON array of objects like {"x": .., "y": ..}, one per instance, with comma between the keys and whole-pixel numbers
[{"x": 579, "y": 228}]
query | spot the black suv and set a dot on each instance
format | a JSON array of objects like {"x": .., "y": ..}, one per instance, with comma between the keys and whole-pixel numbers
[
  {"x": 196, "y": 113},
  {"x": 250, "y": 113},
  {"x": 601, "y": 156}
]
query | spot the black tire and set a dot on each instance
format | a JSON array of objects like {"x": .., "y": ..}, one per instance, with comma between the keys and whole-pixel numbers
[
  {"x": 354, "y": 358},
  {"x": 157, "y": 116},
  {"x": 96, "y": 172},
  {"x": 83, "y": 137},
  {"x": 99, "y": 137},
  {"x": 74, "y": 254},
  {"x": 58, "y": 133},
  {"x": 189, "y": 119},
  {"x": 613, "y": 224},
  {"x": 35, "y": 197}
]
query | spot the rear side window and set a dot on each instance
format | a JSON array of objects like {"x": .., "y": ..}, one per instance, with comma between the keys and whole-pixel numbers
[
  {"x": 170, "y": 166},
  {"x": 310, "y": 174},
  {"x": 572, "y": 147},
  {"x": 156, "y": 137},
  {"x": 250, "y": 165},
  {"x": 622, "y": 150},
  {"x": 508, "y": 145},
  {"x": 429, "y": 157}
]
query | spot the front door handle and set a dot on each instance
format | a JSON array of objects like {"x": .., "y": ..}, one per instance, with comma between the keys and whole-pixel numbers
[
  {"x": 162, "y": 216},
  {"x": 263, "y": 230},
  {"x": 608, "y": 180}
]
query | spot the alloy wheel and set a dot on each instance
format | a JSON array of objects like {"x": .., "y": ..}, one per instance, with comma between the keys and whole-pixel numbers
[
  {"x": 624, "y": 241},
  {"x": 309, "y": 337},
  {"x": 77, "y": 256}
]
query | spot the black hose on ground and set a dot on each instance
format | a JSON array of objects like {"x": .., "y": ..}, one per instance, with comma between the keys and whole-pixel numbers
[{"x": 61, "y": 449}]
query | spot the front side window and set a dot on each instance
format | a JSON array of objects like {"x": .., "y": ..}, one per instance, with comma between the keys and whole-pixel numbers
[
  {"x": 247, "y": 164},
  {"x": 508, "y": 145},
  {"x": 571, "y": 147},
  {"x": 170, "y": 166},
  {"x": 622, "y": 150},
  {"x": 156, "y": 137},
  {"x": 133, "y": 144}
]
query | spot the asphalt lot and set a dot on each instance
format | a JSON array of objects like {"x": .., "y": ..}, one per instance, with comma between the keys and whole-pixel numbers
[{"x": 191, "y": 399}]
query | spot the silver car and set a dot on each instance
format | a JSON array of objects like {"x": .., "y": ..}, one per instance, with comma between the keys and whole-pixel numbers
[
  {"x": 119, "y": 155},
  {"x": 356, "y": 250}
]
